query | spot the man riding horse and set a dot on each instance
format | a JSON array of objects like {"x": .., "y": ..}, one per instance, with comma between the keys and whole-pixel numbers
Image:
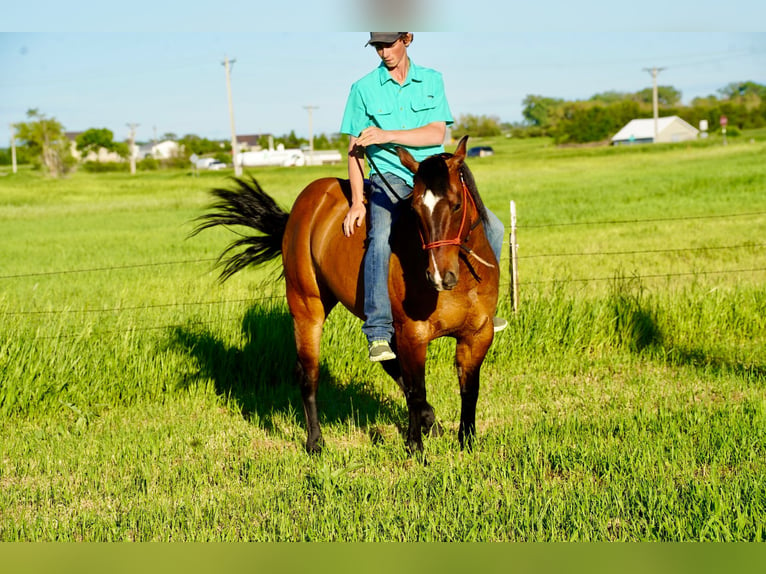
[{"x": 404, "y": 104}]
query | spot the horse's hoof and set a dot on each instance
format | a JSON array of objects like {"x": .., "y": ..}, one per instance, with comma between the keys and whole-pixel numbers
[
  {"x": 414, "y": 448},
  {"x": 314, "y": 449},
  {"x": 466, "y": 443},
  {"x": 436, "y": 430}
]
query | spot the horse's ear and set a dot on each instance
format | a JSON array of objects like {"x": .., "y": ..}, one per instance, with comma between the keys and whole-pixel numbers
[
  {"x": 460, "y": 151},
  {"x": 407, "y": 160}
]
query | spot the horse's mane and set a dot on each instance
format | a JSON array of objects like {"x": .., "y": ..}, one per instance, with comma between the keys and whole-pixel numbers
[
  {"x": 470, "y": 183},
  {"x": 435, "y": 167}
]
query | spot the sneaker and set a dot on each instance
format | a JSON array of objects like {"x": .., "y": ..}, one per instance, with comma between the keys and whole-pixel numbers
[
  {"x": 499, "y": 324},
  {"x": 381, "y": 351}
]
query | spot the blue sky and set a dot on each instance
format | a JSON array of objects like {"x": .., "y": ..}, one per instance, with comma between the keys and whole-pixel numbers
[{"x": 169, "y": 78}]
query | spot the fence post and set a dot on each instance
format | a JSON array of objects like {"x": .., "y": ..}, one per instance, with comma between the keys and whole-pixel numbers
[{"x": 514, "y": 260}]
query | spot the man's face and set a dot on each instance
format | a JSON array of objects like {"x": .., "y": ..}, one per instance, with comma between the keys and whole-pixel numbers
[{"x": 392, "y": 53}]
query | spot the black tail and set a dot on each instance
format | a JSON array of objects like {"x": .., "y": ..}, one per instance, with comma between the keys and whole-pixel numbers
[{"x": 249, "y": 206}]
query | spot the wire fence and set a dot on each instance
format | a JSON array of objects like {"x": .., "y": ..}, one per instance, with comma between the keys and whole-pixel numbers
[
  {"x": 515, "y": 257},
  {"x": 280, "y": 296}
]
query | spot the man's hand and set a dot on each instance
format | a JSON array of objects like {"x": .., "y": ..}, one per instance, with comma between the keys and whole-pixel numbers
[
  {"x": 354, "y": 218},
  {"x": 373, "y": 135}
]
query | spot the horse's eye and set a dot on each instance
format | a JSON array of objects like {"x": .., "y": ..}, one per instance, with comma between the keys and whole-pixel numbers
[{"x": 456, "y": 207}]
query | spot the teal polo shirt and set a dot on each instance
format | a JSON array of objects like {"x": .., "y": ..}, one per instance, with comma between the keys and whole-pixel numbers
[{"x": 377, "y": 100}]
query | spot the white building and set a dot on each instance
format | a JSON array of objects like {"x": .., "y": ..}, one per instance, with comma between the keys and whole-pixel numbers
[
  {"x": 669, "y": 130},
  {"x": 162, "y": 150},
  {"x": 287, "y": 157}
]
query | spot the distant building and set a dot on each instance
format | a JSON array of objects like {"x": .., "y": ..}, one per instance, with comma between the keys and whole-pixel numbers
[
  {"x": 249, "y": 142},
  {"x": 669, "y": 130},
  {"x": 162, "y": 150}
]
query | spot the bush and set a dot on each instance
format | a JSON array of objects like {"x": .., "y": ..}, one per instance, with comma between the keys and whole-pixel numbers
[
  {"x": 105, "y": 167},
  {"x": 148, "y": 164}
]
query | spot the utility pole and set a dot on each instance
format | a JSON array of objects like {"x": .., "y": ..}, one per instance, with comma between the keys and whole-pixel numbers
[
  {"x": 311, "y": 126},
  {"x": 237, "y": 167},
  {"x": 655, "y": 99},
  {"x": 132, "y": 147},
  {"x": 13, "y": 147}
]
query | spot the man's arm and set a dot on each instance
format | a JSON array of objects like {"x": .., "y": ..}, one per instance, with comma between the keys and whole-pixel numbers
[
  {"x": 428, "y": 135},
  {"x": 357, "y": 212}
]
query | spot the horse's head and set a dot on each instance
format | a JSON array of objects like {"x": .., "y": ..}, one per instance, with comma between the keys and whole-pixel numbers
[{"x": 440, "y": 201}]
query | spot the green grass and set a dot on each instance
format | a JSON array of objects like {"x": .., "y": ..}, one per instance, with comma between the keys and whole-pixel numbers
[{"x": 142, "y": 400}]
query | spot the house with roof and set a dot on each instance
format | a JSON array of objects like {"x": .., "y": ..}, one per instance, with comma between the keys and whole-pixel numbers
[
  {"x": 669, "y": 130},
  {"x": 250, "y": 142}
]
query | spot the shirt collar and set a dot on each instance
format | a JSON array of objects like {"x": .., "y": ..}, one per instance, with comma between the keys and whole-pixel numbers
[{"x": 413, "y": 74}]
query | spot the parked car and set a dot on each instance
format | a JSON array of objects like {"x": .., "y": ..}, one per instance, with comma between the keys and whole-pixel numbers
[
  {"x": 207, "y": 163},
  {"x": 480, "y": 151}
]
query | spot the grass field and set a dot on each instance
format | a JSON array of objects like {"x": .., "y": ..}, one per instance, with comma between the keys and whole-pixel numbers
[{"x": 142, "y": 400}]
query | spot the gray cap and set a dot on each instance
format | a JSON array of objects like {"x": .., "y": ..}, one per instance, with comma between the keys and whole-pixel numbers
[{"x": 384, "y": 37}]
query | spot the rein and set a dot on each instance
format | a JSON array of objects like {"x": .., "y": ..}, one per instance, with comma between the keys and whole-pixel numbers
[{"x": 459, "y": 241}]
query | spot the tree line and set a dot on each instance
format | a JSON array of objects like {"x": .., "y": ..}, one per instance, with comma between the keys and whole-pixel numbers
[
  {"x": 603, "y": 115},
  {"x": 600, "y": 117},
  {"x": 42, "y": 141}
]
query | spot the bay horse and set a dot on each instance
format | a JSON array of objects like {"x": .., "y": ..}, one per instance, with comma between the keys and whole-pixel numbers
[{"x": 443, "y": 278}]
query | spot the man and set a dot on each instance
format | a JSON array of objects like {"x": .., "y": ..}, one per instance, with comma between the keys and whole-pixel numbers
[{"x": 400, "y": 104}]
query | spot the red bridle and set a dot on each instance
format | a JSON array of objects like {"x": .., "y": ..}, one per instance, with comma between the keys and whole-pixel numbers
[{"x": 459, "y": 239}]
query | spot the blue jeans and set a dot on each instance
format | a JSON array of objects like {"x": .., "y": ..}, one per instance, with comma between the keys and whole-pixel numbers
[{"x": 383, "y": 210}]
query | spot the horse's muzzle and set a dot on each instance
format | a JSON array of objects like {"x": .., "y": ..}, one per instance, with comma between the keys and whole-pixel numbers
[{"x": 440, "y": 283}]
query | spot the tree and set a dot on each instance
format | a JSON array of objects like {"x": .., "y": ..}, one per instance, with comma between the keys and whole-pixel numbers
[
  {"x": 666, "y": 96},
  {"x": 611, "y": 96},
  {"x": 94, "y": 139},
  {"x": 193, "y": 144},
  {"x": 45, "y": 139},
  {"x": 743, "y": 89},
  {"x": 541, "y": 111},
  {"x": 476, "y": 126},
  {"x": 291, "y": 141}
]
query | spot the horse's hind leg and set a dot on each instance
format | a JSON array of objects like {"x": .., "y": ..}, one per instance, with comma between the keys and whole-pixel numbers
[{"x": 309, "y": 314}]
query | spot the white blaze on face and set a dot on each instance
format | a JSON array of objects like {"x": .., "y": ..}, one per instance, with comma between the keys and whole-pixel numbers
[
  {"x": 436, "y": 276},
  {"x": 430, "y": 200}
]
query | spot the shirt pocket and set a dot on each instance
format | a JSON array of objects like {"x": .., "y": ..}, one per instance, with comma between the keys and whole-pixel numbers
[
  {"x": 427, "y": 102},
  {"x": 381, "y": 114}
]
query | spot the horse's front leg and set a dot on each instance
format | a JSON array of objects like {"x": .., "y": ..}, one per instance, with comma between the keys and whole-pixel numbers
[
  {"x": 412, "y": 358},
  {"x": 469, "y": 355},
  {"x": 428, "y": 423}
]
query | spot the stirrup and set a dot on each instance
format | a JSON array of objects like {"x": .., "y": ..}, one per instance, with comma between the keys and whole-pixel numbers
[{"x": 498, "y": 324}]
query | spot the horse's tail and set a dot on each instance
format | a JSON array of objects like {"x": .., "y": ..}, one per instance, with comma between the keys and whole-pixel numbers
[{"x": 249, "y": 206}]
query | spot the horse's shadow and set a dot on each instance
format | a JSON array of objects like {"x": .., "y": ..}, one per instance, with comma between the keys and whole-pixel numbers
[{"x": 258, "y": 375}]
